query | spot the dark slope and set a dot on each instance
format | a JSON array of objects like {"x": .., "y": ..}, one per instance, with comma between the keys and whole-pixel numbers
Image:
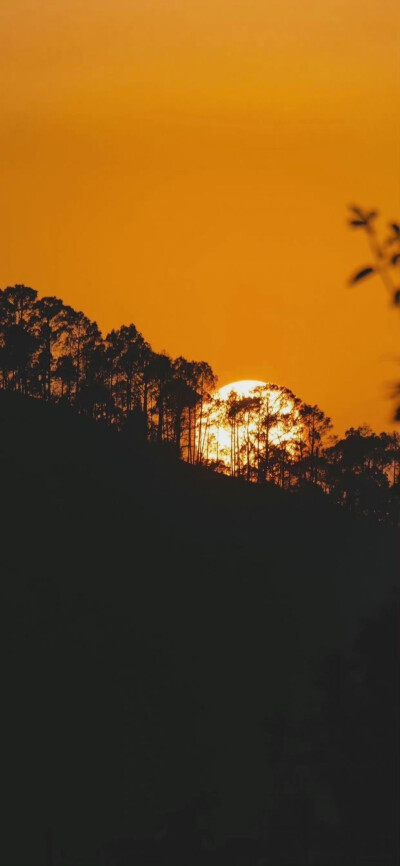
[{"x": 154, "y": 616}]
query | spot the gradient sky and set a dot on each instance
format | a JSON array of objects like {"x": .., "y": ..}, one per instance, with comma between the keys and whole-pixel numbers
[{"x": 186, "y": 165}]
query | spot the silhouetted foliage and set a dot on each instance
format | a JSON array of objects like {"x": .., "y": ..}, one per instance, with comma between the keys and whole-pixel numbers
[
  {"x": 50, "y": 351},
  {"x": 386, "y": 255},
  {"x": 360, "y": 275},
  {"x": 163, "y": 697},
  {"x": 385, "y": 252}
]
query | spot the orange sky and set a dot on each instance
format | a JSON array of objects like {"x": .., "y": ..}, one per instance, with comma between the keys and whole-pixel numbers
[{"x": 186, "y": 165}]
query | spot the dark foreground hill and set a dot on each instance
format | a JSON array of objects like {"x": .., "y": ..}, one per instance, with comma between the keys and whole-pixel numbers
[{"x": 194, "y": 670}]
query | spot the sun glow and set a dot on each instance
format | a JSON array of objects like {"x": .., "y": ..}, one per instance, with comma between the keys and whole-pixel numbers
[
  {"x": 243, "y": 388},
  {"x": 246, "y": 424}
]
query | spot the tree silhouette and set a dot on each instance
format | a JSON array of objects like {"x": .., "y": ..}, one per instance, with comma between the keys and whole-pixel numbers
[
  {"x": 19, "y": 343},
  {"x": 153, "y": 613},
  {"x": 315, "y": 427},
  {"x": 50, "y": 351},
  {"x": 50, "y": 325}
]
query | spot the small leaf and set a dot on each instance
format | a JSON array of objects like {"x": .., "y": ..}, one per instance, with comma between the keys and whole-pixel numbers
[
  {"x": 358, "y": 212},
  {"x": 372, "y": 215},
  {"x": 396, "y": 228},
  {"x": 361, "y": 274},
  {"x": 396, "y": 298},
  {"x": 357, "y": 223},
  {"x": 395, "y": 259}
]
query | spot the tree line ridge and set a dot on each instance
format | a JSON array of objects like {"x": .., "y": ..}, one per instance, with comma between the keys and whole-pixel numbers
[{"x": 52, "y": 352}]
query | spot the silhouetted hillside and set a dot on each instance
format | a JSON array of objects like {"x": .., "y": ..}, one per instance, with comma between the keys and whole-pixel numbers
[
  {"x": 264, "y": 434},
  {"x": 166, "y": 634}
]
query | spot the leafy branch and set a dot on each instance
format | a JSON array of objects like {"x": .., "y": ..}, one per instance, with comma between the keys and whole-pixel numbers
[{"x": 385, "y": 252}]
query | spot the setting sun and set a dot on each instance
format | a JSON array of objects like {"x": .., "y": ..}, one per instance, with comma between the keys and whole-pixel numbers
[{"x": 245, "y": 423}]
